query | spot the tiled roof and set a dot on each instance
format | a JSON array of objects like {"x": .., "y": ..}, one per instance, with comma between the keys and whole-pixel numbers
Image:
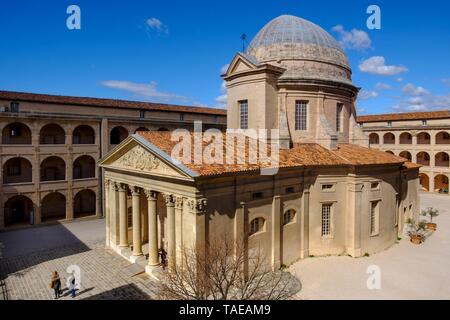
[
  {"x": 301, "y": 155},
  {"x": 443, "y": 114},
  {"x": 111, "y": 103}
]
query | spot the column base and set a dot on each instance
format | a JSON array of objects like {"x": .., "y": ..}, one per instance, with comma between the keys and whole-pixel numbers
[
  {"x": 154, "y": 271},
  {"x": 304, "y": 254},
  {"x": 355, "y": 253},
  {"x": 136, "y": 259}
]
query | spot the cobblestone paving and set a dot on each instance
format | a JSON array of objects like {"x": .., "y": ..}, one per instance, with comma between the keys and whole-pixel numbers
[{"x": 27, "y": 277}]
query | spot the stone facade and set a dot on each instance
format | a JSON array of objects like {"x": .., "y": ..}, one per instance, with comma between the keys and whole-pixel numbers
[
  {"x": 49, "y": 151},
  {"x": 423, "y": 138}
]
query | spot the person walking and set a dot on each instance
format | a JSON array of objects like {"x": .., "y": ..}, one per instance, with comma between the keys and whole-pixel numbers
[
  {"x": 55, "y": 284},
  {"x": 72, "y": 287},
  {"x": 163, "y": 256}
]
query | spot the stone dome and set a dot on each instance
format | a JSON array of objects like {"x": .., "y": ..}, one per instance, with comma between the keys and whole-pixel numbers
[{"x": 303, "y": 48}]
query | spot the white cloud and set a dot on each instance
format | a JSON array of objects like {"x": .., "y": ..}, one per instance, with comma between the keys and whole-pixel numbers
[
  {"x": 157, "y": 25},
  {"x": 376, "y": 65},
  {"x": 446, "y": 81},
  {"x": 399, "y": 79},
  {"x": 223, "y": 98},
  {"x": 224, "y": 68},
  {"x": 145, "y": 90},
  {"x": 383, "y": 86},
  {"x": 416, "y": 98},
  {"x": 412, "y": 90},
  {"x": 354, "y": 39},
  {"x": 365, "y": 94}
]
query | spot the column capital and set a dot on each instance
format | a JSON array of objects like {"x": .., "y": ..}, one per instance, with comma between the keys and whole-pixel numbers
[
  {"x": 106, "y": 183},
  {"x": 151, "y": 194},
  {"x": 178, "y": 202},
  {"x": 170, "y": 199},
  {"x": 135, "y": 191},
  {"x": 197, "y": 205},
  {"x": 122, "y": 187},
  {"x": 114, "y": 185}
]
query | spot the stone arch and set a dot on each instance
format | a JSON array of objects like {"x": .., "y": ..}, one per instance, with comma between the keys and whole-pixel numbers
[
  {"x": 442, "y": 138},
  {"x": 389, "y": 138},
  {"x": 84, "y": 167},
  {"x": 53, "y": 207},
  {"x": 163, "y": 129},
  {"x": 441, "y": 159},
  {"x": 406, "y": 138},
  {"x": 406, "y": 154},
  {"x": 423, "y": 138},
  {"x": 142, "y": 129},
  {"x": 18, "y": 210},
  {"x": 52, "y": 134},
  {"x": 117, "y": 135},
  {"x": 424, "y": 181},
  {"x": 16, "y": 133},
  {"x": 441, "y": 183},
  {"x": 53, "y": 168},
  {"x": 423, "y": 158},
  {"x": 17, "y": 170},
  {"x": 83, "y": 134},
  {"x": 84, "y": 203},
  {"x": 374, "y": 138}
]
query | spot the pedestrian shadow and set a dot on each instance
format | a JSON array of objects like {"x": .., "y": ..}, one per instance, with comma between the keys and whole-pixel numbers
[
  {"x": 77, "y": 292},
  {"x": 126, "y": 292}
]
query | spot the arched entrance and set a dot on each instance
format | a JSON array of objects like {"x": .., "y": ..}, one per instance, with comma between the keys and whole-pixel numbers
[
  {"x": 374, "y": 138},
  {"x": 84, "y": 204},
  {"x": 53, "y": 207},
  {"x": 19, "y": 210},
  {"x": 53, "y": 169},
  {"x": 52, "y": 134},
  {"x": 17, "y": 170},
  {"x": 424, "y": 182},
  {"x": 84, "y": 167},
  {"x": 83, "y": 134},
  {"x": 16, "y": 133},
  {"x": 407, "y": 155},
  {"x": 441, "y": 183},
  {"x": 117, "y": 135}
]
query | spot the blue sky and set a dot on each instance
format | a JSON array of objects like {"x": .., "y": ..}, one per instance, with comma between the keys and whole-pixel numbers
[{"x": 173, "y": 51}]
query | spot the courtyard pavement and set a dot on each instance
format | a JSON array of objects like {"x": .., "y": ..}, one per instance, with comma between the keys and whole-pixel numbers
[
  {"x": 407, "y": 271},
  {"x": 30, "y": 255}
]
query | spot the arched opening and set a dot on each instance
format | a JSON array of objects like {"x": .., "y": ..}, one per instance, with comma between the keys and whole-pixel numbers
[
  {"x": 441, "y": 184},
  {"x": 163, "y": 129},
  {"x": 141, "y": 129},
  {"x": 52, "y": 134},
  {"x": 389, "y": 138},
  {"x": 53, "y": 169},
  {"x": 390, "y": 152},
  {"x": 17, "y": 170},
  {"x": 118, "y": 134},
  {"x": 288, "y": 216},
  {"x": 16, "y": 133},
  {"x": 424, "y": 182},
  {"x": 442, "y": 138},
  {"x": 441, "y": 160},
  {"x": 257, "y": 225},
  {"x": 407, "y": 155},
  {"x": 423, "y": 138},
  {"x": 84, "y": 204},
  {"x": 84, "y": 167},
  {"x": 374, "y": 138},
  {"x": 83, "y": 134},
  {"x": 423, "y": 158},
  {"x": 18, "y": 210},
  {"x": 405, "y": 138},
  {"x": 53, "y": 207}
]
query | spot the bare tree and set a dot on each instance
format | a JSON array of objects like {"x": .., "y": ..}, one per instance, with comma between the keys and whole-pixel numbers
[{"x": 226, "y": 270}]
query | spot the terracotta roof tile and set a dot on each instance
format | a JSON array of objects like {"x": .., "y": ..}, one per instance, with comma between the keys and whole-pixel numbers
[
  {"x": 114, "y": 103},
  {"x": 443, "y": 114},
  {"x": 301, "y": 155}
]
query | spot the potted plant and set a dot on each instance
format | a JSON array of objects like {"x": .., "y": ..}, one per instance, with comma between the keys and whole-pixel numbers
[
  {"x": 415, "y": 231},
  {"x": 431, "y": 212}
]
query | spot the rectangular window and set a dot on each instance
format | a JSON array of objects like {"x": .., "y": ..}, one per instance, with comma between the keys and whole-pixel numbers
[
  {"x": 301, "y": 114},
  {"x": 142, "y": 114},
  {"x": 374, "y": 218},
  {"x": 257, "y": 195},
  {"x": 327, "y": 187},
  {"x": 243, "y": 111},
  {"x": 326, "y": 220},
  {"x": 375, "y": 186},
  {"x": 424, "y": 122},
  {"x": 290, "y": 190},
  {"x": 14, "y": 170},
  {"x": 14, "y": 107},
  {"x": 389, "y": 123},
  {"x": 181, "y": 116},
  {"x": 338, "y": 116},
  {"x": 130, "y": 217}
]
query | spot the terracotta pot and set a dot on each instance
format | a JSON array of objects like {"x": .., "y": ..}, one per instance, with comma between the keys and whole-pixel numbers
[
  {"x": 416, "y": 239},
  {"x": 431, "y": 226}
]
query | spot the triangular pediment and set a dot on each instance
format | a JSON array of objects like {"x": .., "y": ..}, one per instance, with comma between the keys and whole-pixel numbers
[
  {"x": 240, "y": 64},
  {"x": 136, "y": 156}
]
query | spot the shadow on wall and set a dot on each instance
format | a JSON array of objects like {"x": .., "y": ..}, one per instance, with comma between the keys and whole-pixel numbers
[
  {"x": 26, "y": 248},
  {"x": 126, "y": 292}
]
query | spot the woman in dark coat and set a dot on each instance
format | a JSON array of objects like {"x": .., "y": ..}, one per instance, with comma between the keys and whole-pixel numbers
[{"x": 56, "y": 284}]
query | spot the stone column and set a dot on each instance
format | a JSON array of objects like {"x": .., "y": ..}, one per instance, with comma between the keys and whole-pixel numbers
[
  {"x": 114, "y": 214},
  {"x": 304, "y": 222},
  {"x": 178, "y": 228},
  {"x": 171, "y": 246},
  {"x": 354, "y": 219},
  {"x": 123, "y": 225},
  {"x": 276, "y": 232},
  {"x": 107, "y": 214},
  {"x": 137, "y": 240},
  {"x": 152, "y": 228}
]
